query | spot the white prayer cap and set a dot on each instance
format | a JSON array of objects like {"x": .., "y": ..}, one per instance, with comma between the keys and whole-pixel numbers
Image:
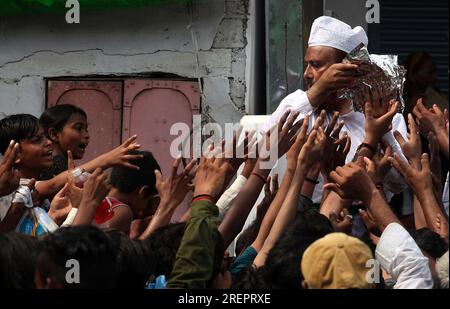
[{"x": 331, "y": 32}]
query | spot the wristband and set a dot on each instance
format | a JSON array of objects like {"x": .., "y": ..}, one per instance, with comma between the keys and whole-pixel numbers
[{"x": 204, "y": 197}]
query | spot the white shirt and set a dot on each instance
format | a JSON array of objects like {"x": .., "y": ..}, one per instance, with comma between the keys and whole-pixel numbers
[
  {"x": 399, "y": 255},
  {"x": 354, "y": 126}
]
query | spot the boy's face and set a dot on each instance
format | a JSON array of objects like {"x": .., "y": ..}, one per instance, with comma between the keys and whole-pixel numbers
[{"x": 35, "y": 154}]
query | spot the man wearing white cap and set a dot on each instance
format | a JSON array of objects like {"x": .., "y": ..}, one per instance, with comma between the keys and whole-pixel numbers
[{"x": 330, "y": 41}]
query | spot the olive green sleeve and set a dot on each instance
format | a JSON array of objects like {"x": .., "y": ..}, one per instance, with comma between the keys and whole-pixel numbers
[{"x": 195, "y": 256}]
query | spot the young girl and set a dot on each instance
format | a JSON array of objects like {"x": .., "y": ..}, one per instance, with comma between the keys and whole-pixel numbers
[{"x": 66, "y": 126}]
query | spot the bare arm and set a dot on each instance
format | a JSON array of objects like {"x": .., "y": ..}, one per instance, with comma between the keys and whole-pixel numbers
[
  {"x": 314, "y": 147},
  {"x": 274, "y": 208},
  {"x": 117, "y": 156},
  {"x": 244, "y": 201}
]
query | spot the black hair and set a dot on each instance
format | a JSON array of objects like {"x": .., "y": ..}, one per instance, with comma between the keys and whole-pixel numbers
[
  {"x": 127, "y": 180},
  {"x": 282, "y": 267},
  {"x": 251, "y": 278},
  {"x": 163, "y": 243},
  {"x": 57, "y": 116},
  {"x": 17, "y": 127},
  {"x": 18, "y": 255},
  {"x": 134, "y": 262},
  {"x": 430, "y": 242},
  {"x": 92, "y": 248}
]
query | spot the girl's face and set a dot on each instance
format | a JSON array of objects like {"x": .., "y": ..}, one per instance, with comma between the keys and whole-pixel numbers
[
  {"x": 35, "y": 154},
  {"x": 74, "y": 136}
]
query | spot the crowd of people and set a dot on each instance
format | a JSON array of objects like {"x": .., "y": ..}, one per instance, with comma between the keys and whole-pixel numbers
[{"x": 328, "y": 223}]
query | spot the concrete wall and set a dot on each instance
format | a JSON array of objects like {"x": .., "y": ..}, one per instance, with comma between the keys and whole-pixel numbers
[{"x": 160, "y": 38}]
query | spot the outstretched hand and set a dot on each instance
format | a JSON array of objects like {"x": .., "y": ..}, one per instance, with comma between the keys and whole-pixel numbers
[
  {"x": 211, "y": 175},
  {"x": 119, "y": 156},
  {"x": 377, "y": 124},
  {"x": 9, "y": 175},
  {"x": 174, "y": 189}
]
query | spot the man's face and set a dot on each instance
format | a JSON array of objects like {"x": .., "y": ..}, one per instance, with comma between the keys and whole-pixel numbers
[{"x": 317, "y": 60}]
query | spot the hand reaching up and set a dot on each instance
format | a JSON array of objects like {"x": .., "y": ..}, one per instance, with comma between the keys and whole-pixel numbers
[
  {"x": 378, "y": 124},
  {"x": 96, "y": 188},
  {"x": 432, "y": 120},
  {"x": 351, "y": 182},
  {"x": 379, "y": 166},
  {"x": 286, "y": 131},
  {"x": 210, "y": 177},
  {"x": 418, "y": 177},
  {"x": 412, "y": 147},
  {"x": 314, "y": 148},
  {"x": 60, "y": 206},
  {"x": 174, "y": 189},
  {"x": 294, "y": 151},
  {"x": 9, "y": 175},
  {"x": 119, "y": 156}
]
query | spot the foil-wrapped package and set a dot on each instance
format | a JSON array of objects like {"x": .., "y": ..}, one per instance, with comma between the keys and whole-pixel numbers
[{"x": 380, "y": 79}]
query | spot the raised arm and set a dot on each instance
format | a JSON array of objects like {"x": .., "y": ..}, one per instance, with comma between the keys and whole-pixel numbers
[
  {"x": 313, "y": 148},
  {"x": 419, "y": 179},
  {"x": 9, "y": 176},
  {"x": 433, "y": 120},
  {"x": 172, "y": 192},
  {"x": 272, "y": 212},
  {"x": 244, "y": 201},
  {"x": 117, "y": 156}
]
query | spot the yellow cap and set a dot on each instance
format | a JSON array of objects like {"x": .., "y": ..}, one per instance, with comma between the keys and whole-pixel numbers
[{"x": 336, "y": 261}]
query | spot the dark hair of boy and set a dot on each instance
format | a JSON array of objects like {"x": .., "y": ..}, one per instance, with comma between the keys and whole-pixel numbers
[
  {"x": 18, "y": 255},
  {"x": 282, "y": 268},
  {"x": 127, "y": 180},
  {"x": 93, "y": 249},
  {"x": 17, "y": 127},
  {"x": 135, "y": 263},
  {"x": 430, "y": 242},
  {"x": 164, "y": 243}
]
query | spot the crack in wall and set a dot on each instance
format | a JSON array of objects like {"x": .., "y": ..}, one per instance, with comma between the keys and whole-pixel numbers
[{"x": 87, "y": 50}]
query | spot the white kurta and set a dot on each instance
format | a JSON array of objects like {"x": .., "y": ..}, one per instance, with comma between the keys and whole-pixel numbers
[
  {"x": 399, "y": 255},
  {"x": 354, "y": 126}
]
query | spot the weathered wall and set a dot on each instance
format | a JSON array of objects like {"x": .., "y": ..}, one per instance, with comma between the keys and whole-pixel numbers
[
  {"x": 352, "y": 12},
  {"x": 153, "y": 39}
]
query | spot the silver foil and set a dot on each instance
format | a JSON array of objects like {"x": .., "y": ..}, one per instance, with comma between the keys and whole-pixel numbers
[{"x": 380, "y": 79}]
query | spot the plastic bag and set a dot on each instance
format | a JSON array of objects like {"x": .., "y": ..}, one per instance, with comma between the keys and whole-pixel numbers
[
  {"x": 36, "y": 222},
  {"x": 380, "y": 76}
]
